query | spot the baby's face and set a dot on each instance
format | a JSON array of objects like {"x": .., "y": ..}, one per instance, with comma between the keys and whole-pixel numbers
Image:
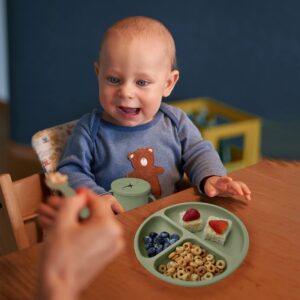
[{"x": 133, "y": 77}]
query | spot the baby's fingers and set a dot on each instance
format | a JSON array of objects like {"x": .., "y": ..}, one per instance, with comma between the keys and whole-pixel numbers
[
  {"x": 241, "y": 189},
  {"x": 47, "y": 211},
  {"x": 45, "y": 222},
  {"x": 246, "y": 191},
  {"x": 235, "y": 188}
]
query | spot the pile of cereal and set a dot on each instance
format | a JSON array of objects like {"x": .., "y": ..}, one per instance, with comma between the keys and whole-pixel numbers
[{"x": 191, "y": 262}]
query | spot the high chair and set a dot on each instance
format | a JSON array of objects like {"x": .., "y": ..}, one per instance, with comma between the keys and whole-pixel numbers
[
  {"x": 49, "y": 144},
  {"x": 19, "y": 201}
]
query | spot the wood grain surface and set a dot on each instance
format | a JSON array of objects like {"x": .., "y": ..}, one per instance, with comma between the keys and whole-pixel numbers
[{"x": 271, "y": 269}]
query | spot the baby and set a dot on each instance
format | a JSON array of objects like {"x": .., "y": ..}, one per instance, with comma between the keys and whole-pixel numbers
[{"x": 135, "y": 134}]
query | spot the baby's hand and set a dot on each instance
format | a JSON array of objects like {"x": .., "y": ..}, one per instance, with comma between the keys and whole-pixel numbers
[
  {"x": 226, "y": 186},
  {"x": 115, "y": 206},
  {"x": 48, "y": 211}
]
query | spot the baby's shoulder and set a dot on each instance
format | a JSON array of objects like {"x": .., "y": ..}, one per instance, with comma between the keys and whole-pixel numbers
[
  {"x": 177, "y": 115},
  {"x": 89, "y": 121}
]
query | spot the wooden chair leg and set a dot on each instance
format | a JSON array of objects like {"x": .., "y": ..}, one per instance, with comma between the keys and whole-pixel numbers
[{"x": 13, "y": 226}]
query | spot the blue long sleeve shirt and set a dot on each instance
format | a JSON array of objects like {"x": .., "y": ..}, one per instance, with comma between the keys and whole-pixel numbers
[{"x": 98, "y": 151}]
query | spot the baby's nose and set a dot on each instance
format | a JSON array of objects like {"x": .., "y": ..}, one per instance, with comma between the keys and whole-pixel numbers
[{"x": 126, "y": 91}]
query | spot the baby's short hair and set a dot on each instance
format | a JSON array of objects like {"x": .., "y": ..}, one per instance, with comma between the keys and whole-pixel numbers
[{"x": 140, "y": 26}]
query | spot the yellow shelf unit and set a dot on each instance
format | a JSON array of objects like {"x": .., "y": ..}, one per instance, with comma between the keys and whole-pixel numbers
[{"x": 240, "y": 124}]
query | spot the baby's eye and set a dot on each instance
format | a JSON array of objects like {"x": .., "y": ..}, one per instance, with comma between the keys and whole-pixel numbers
[
  {"x": 142, "y": 82},
  {"x": 113, "y": 80}
]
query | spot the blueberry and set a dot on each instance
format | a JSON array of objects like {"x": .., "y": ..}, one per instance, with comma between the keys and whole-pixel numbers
[
  {"x": 151, "y": 252},
  {"x": 172, "y": 241},
  {"x": 164, "y": 234},
  {"x": 147, "y": 246},
  {"x": 175, "y": 237},
  {"x": 165, "y": 239},
  {"x": 152, "y": 234},
  {"x": 147, "y": 239},
  {"x": 166, "y": 245},
  {"x": 158, "y": 240},
  {"x": 159, "y": 248}
]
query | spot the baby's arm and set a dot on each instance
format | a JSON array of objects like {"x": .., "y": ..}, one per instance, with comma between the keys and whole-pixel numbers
[
  {"x": 225, "y": 186},
  {"x": 78, "y": 157}
]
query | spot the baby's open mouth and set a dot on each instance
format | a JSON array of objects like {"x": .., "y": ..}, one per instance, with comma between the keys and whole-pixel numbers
[{"x": 129, "y": 110}]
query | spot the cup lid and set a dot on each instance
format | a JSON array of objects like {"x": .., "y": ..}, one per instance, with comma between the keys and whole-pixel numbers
[{"x": 130, "y": 186}]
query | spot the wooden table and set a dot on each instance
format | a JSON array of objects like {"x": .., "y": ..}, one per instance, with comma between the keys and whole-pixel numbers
[{"x": 271, "y": 269}]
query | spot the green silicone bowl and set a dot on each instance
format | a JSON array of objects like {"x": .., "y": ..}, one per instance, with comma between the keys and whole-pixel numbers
[{"x": 233, "y": 251}]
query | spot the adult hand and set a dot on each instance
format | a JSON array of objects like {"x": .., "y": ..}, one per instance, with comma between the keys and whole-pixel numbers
[
  {"x": 48, "y": 211},
  {"x": 75, "y": 251}
]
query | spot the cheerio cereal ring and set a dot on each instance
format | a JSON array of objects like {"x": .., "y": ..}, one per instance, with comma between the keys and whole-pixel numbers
[
  {"x": 179, "y": 249},
  {"x": 207, "y": 264},
  {"x": 194, "y": 264},
  {"x": 196, "y": 250},
  {"x": 203, "y": 253},
  {"x": 178, "y": 260},
  {"x": 175, "y": 275},
  {"x": 172, "y": 264},
  {"x": 170, "y": 271},
  {"x": 183, "y": 253},
  {"x": 189, "y": 269},
  {"x": 162, "y": 268},
  {"x": 220, "y": 264},
  {"x": 180, "y": 269},
  {"x": 187, "y": 245},
  {"x": 211, "y": 268},
  {"x": 201, "y": 270},
  {"x": 209, "y": 257},
  {"x": 172, "y": 254},
  {"x": 183, "y": 276},
  {"x": 207, "y": 275},
  {"x": 199, "y": 262},
  {"x": 194, "y": 277}
]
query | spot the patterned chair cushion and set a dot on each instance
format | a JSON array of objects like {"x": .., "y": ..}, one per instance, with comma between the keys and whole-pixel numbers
[{"x": 49, "y": 144}]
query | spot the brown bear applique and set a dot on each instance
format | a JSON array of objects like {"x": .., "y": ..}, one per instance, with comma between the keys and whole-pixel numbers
[{"x": 142, "y": 161}]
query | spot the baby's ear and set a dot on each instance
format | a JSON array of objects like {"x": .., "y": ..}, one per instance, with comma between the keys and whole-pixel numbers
[
  {"x": 171, "y": 82},
  {"x": 97, "y": 68}
]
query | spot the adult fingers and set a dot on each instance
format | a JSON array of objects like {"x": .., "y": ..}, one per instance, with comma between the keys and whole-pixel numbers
[
  {"x": 70, "y": 209},
  {"x": 116, "y": 207}
]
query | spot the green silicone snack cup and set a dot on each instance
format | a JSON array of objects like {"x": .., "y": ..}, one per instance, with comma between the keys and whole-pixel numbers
[{"x": 131, "y": 192}]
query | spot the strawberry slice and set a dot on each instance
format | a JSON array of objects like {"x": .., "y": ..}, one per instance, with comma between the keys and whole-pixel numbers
[
  {"x": 191, "y": 214},
  {"x": 219, "y": 226}
]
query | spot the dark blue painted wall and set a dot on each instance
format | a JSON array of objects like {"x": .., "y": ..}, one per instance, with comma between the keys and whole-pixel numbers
[{"x": 246, "y": 53}]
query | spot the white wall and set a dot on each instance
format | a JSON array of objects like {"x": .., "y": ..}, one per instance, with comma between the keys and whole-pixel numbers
[{"x": 4, "y": 91}]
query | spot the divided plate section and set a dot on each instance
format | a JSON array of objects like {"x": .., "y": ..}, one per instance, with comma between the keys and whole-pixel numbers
[
  {"x": 237, "y": 241},
  {"x": 157, "y": 224},
  {"x": 164, "y": 259}
]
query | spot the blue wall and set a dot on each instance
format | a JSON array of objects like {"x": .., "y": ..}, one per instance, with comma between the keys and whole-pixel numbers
[{"x": 245, "y": 53}]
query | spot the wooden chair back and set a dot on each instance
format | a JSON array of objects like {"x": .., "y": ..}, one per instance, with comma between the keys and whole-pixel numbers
[{"x": 19, "y": 201}]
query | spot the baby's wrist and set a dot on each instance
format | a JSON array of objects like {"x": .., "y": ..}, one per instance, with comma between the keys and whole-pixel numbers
[{"x": 204, "y": 181}]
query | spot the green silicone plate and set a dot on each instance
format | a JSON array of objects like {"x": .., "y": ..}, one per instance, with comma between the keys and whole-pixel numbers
[{"x": 233, "y": 251}]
